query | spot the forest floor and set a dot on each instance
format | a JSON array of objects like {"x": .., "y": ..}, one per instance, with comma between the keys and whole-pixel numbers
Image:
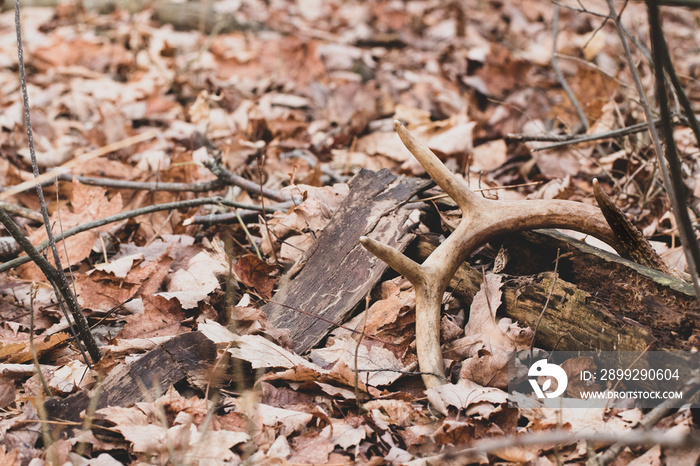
[{"x": 297, "y": 97}]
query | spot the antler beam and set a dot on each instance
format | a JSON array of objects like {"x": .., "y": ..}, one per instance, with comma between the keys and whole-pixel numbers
[{"x": 482, "y": 219}]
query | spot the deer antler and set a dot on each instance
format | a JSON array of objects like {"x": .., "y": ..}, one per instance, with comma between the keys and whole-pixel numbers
[{"x": 481, "y": 220}]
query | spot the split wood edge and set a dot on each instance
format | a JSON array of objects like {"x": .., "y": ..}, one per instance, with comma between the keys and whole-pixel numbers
[{"x": 482, "y": 219}]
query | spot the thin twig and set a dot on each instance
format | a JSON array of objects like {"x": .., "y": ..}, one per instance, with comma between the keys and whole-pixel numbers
[
  {"x": 560, "y": 76},
  {"x": 358, "y": 401},
  {"x": 57, "y": 277},
  {"x": 226, "y": 176},
  {"x": 546, "y": 303},
  {"x": 568, "y": 139},
  {"x": 675, "y": 171},
  {"x": 248, "y": 235},
  {"x": 519, "y": 137},
  {"x": 680, "y": 92},
  {"x": 231, "y": 217},
  {"x": 626, "y": 131},
  {"x": 481, "y": 190},
  {"x": 199, "y": 186},
  {"x": 32, "y": 348},
  {"x": 21, "y": 211},
  {"x": 261, "y": 160},
  {"x": 127, "y": 215},
  {"x": 593, "y": 66},
  {"x": 677, "y": 204}
]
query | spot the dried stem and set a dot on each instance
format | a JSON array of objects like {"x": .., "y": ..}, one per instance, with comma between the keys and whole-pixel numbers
[
  {"x": 198, "y": 187},
  {"x": 560, "y": 76},
  {"x": 55, "y": 275},
  {"x": 226, "y": 176},
  {"x": 127, "y": 215},
  {"x": 678, "y": 194},
  {"x": 678, "y": 205}
]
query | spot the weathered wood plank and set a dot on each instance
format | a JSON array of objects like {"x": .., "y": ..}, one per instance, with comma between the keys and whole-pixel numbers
[
  {"x": 146, "y": 379},
  {"x": 338, "y": 271}
]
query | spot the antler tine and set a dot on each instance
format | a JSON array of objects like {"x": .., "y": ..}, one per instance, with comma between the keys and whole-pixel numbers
[
  {"x": 453, "y": 186},
  {"x": 482, "y": 219},
  {"x": 394, "y": 259}
]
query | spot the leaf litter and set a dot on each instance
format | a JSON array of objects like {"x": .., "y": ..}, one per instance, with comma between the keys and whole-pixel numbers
[{"x": 299, "y": 100}]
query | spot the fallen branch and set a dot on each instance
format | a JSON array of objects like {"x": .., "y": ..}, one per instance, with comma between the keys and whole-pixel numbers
[
  {"x": 231, "y": 217},
  {"x": 228, "y": 177},
  {"x": 21, "y": 211},
  {"x": 135, "y": 213},
  {"x": 197, "y": 187}
]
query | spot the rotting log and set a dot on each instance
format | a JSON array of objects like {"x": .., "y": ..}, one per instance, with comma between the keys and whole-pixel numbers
[{"x": 600, "y": 301}]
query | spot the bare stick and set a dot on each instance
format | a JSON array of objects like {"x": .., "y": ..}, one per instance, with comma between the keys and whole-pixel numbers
[
  {"x": 214, "y": 165},
  {"x": 21, "y": 211},
  {"x": 632, "y": 129},
  {"x": 560, "y": 76},
  {"x": 198, "y": 187},
  {"x": 231, "y": 217},
  {"x": 127, "y": 215},
  {"x": 682, "y": 96},
  {"x": 56, "y": 275}
]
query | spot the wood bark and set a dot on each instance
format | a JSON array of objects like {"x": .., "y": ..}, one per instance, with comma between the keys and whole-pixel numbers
[{"x": 338, "y": 273}]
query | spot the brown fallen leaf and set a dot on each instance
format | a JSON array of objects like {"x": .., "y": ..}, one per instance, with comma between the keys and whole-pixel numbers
[
  {"x": 488, "y": 342},
  {"x": 20, "y": 352},
  {"x": 256, "y": 274},
  {"x": 161, "y": 318},
  {"x": 88, "y": 204}
]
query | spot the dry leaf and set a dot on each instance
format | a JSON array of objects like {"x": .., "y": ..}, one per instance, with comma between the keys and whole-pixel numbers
[{"x": 256, "y": 274}]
